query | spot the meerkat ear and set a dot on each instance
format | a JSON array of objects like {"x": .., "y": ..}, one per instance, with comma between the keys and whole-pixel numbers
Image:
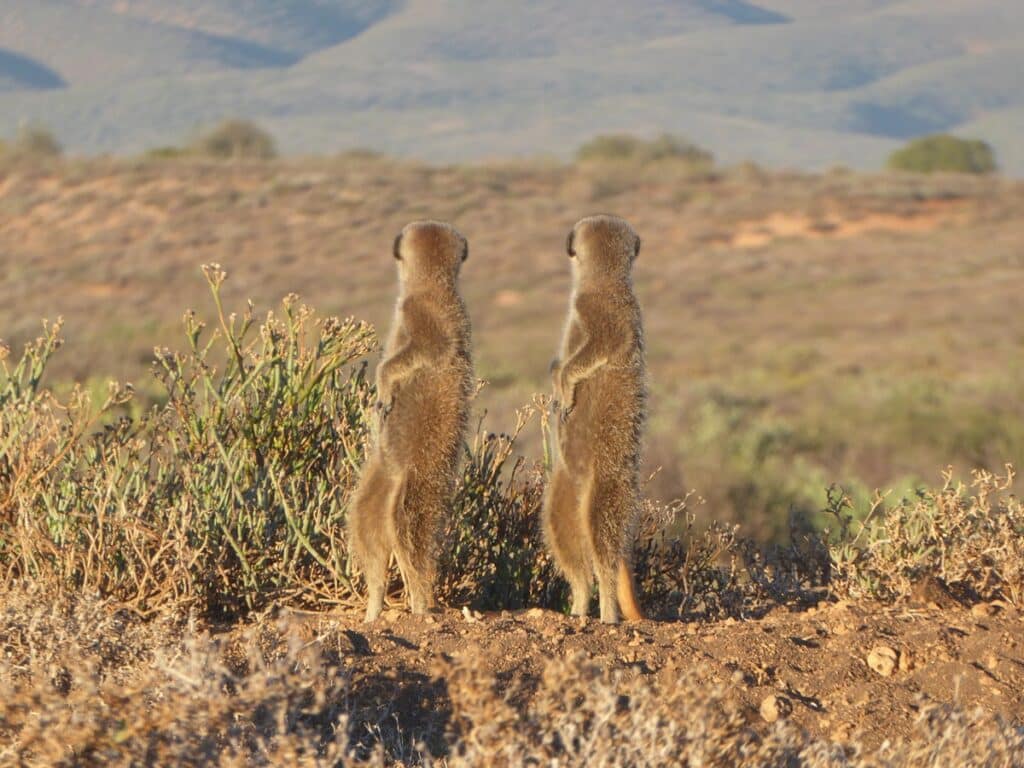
[
  {"x": 465, "y": 249},
  {"x": 636, "y": 249},
  {"x": 396, "y": 249},
  {"x": 569, "y": 242}
]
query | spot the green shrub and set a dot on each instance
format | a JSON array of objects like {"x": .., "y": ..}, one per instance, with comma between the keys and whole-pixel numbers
[
  {"x": 944, "y": 153},
  {"x": 623, "y": 147},
  {"x": 35, "y": 142},
  {"x": 236, "y": 139},
  {"x": 969, "y": 538},
  {"x": 231, "y": 492},
  {"x": 165, "y": 153}
]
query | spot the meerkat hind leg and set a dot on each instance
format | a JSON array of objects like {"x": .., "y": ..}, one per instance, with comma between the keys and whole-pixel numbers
[
  {"x": 607, "y": 578},
  {"x": 607, "y": 519},
  {"x": 569, "y": 539},
  {"x": 370, "y": 541},
  {"x": 376, "y": 578},
  {"x": 415, "y": 546},
  {"x": 417, "y": 582}
]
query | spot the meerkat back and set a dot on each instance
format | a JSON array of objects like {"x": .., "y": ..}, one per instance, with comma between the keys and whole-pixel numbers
[
  {"x": 593, "y": 499},
  {"x": 424, "y": 382}
]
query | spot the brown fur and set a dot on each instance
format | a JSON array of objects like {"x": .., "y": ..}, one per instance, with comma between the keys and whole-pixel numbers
[
  {"x": 590, "y": 511},
  {"x": 424, "y": 383}
]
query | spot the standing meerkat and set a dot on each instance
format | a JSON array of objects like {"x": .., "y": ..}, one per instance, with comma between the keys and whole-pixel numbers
[
  {"x": 592, "y": 501},
  {"x": 424, "y": 384}
]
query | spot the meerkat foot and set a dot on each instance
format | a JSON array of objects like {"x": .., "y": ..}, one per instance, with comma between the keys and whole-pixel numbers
[
  {"x": 608, "y": 600},
  {"x": 419, "y": 605},
  {"x": 580, "y": 599},
  {"x": 373, "y": 610},
  {"x": 609, "y": 615},
  {"x": 375, "y": 577}
]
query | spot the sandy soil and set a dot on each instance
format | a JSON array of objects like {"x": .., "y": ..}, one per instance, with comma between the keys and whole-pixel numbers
[{"x": 841, "y": 671}]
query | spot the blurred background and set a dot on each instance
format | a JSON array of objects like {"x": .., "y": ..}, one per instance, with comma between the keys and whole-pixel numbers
[{"x": 827, "y": 191}]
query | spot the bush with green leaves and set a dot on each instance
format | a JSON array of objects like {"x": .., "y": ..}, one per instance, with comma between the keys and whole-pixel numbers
[
  {"x": 236, "y": 140},
  {"x": 231, "y": 493},
  {"x": 32, "y": 142},
  {"x": 943, "y": 153},
  {"x": 968, "y": 537},
  {"x": 633, "y": 149}
]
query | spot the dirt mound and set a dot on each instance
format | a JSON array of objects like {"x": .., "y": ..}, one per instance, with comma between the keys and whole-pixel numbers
[{"x": 842, "y": 672}]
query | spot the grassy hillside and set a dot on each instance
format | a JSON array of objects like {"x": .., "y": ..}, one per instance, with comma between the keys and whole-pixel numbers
[
  {"x": 802, "y": 329},
  {"x": 294, "y": 26},
  {"x": 777, "y": 81}
]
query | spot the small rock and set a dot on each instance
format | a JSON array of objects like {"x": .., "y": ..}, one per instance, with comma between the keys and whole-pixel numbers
[
  {"x": 468, "y": 615},
  {"x": 883, "y": 660},
  {"x": 983, "y": 610},
  {"x": 430, "y": 620},
  {"x": 840, "y": 733},
  {"x": 844, "y": 625},
  {"x": 773, "y": 707},
  {"x": 906, "y": 662},
  {"x": 738, "y": 678},
  {"x": 535, "y": 613}
]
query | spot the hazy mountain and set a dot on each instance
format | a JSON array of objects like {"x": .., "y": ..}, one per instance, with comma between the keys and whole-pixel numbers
[{"x": 793, "y": 82}]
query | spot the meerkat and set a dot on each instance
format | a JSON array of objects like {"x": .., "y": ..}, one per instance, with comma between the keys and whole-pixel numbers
[
  {"x": 424, "y": 384},
  {"x": 592, "y": 502}
]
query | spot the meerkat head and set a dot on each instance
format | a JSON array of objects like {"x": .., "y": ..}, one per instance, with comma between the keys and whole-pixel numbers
[
  {"x": 430, "y": 251},
  {"x": 602, "y": 247}
]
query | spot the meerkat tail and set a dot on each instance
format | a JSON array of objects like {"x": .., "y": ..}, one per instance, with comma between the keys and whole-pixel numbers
[{"x": 627, "y": 594}]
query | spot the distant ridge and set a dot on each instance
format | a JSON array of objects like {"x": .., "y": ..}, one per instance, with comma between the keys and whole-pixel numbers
[
  {"x": 19, "y": 72},
  {"x": 781, "y": 82}
]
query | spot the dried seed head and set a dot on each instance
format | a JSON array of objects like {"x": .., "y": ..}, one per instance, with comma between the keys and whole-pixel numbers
[{"x": 214, "y": 273}]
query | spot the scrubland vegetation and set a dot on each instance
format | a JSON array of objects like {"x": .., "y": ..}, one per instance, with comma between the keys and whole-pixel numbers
[
  {"x": 228, "y": 500},
  {"x": 175, "y": 580}
]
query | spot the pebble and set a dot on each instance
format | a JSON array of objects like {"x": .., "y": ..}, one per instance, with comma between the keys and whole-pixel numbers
[
  {"x": 983, "y": 610},
  {"x": 773, "y": 707},
  {"x": 883, "y": 660}
]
